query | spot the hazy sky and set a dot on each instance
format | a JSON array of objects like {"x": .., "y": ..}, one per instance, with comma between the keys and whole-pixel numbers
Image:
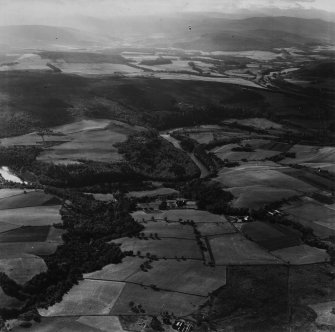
[{"x": 44, "y": 11}]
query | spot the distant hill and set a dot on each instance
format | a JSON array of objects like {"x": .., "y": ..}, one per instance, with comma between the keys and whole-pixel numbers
[
  {"x": 189, "y": 31},
  {"x": 261, "y": 33},
  {"x": 41, "y": 36}
]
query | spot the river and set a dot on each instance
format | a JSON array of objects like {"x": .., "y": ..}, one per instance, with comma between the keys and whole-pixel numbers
[{"x": 175, "y": 142}]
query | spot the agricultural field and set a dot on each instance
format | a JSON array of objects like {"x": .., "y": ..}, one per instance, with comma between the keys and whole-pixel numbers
[
  {"x": 215, "y": 228},
  {"x": 165, "y": 229},
  {"x": 76, "y": 324},
  {"x": 258, "y": 123},
  {"x": 271, "y": 237},
  {"x": 308, "y": 212},
  {"x": 309, "y": 154},
  {"x": 154, "y": 302},
  {"x": 302, "y": 254},
  {"x": 4, "y": 193},
  {"x": 235, "y": 249},
  {"x": 92, "y": 140},
  {"x": 165, "y": 247},
  {"x": 22, "y": 269},
  {"x": 26, "y": 249},
  {"x": 254, "y": 197},
  {"x": 325, "y": 312},
  {"x": 86, "y": 139},
  {"x": 195, "y": 215},
  {"x": 96, "y": 68},
  {"x": 191, "y": 277},
  {"x": 29, "y": 199},
  {"x": 89, "y": 297},
  {"x": 153, "y": 193},
  {"x": 257, "y": 183},
  {"x": 117, "y": 272},
  {"x": 226, "y": 152},
  {"x": 30, "y": 216}
]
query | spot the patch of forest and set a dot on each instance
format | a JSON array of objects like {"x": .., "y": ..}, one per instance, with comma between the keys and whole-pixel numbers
[{"x": 153, "y": 157}]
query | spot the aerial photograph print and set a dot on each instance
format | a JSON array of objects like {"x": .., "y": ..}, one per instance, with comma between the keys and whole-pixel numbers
[{"x": 167, "y": 165}]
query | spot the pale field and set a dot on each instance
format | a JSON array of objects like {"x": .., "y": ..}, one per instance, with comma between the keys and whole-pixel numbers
[
  {"x": 302, "y": 254},
  {"x": 211, "y": 229},
  {"x": 26, "y": 250},
  {"x": 5, "y": 227},
  {"x": 153, "y": 193},
  {"x": 61, "y": 324},
  {"x": 155, "y": 302},
  {"x": 189, "y": 77},
  {"x": 195, "y": 215},
  {"x": 240, "y": 73},
  {"x": 325, "y": 313},
  {"x": 330, "y": 167},
  {"x": 27, "y": 62},
  {"x": 96, "y": 68},
  {"x": 30, "y": 216},
  {"x": 103, "y": 323},
  {"x": 256, "y": 196},
  {"x": 254, "y": 55},
  {"x": 117, "y": 272},
  {"x": 89, "y": 145},
  {"x": 89, "y": 297},
  {"x": 89, "y": 140},
  {"x": 225, "y": 152},
  {"x": 22, "y": 270},
  {"x": 259, "y": 123},
  {"x": 312, "y": 154},
  {"x": 198, "y": 216},
  {"x": 30, "y": 199},
  {"x": 261, "y": 174},
  {"x": 103, "y": 197},
  {"x": 202, "y": 137},
  {"x": 237, "y": 250},
  {"x": 191, "y": 277},
  {"x": 176, "y": 65},
  {"x": 4, "y": 193},
  {"x": 168, "y": 230},
  {"x": 169, "y": 248},
  {"x": 82, "y": 125},
  {"x": 321, "y": 218},
  {"x": 256, "y": 143}
]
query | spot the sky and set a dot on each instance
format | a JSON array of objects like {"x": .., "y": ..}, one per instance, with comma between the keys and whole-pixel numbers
[{"x": 54, "y": 11}]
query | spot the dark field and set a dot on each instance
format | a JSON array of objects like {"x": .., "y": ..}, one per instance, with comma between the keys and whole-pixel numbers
[
  {"x": 26, "y": 234},
  {"x": 271, "y": 237}
]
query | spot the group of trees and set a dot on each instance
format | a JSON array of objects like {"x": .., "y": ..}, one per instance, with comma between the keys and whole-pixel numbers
[
  {"x": 152, "y": 157},
  {"x": 210, "y": 196}
]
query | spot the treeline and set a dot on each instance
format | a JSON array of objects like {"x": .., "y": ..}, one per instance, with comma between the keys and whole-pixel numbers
[
  {"x": 209, "y": 114},
  {"x": 86, "y": 174},
  {"x": 17, "y": 157},
  {"x": 152, "y": 157},
  {"x": 88, "y": 225},
  {"x": 209, "y": 196}
]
